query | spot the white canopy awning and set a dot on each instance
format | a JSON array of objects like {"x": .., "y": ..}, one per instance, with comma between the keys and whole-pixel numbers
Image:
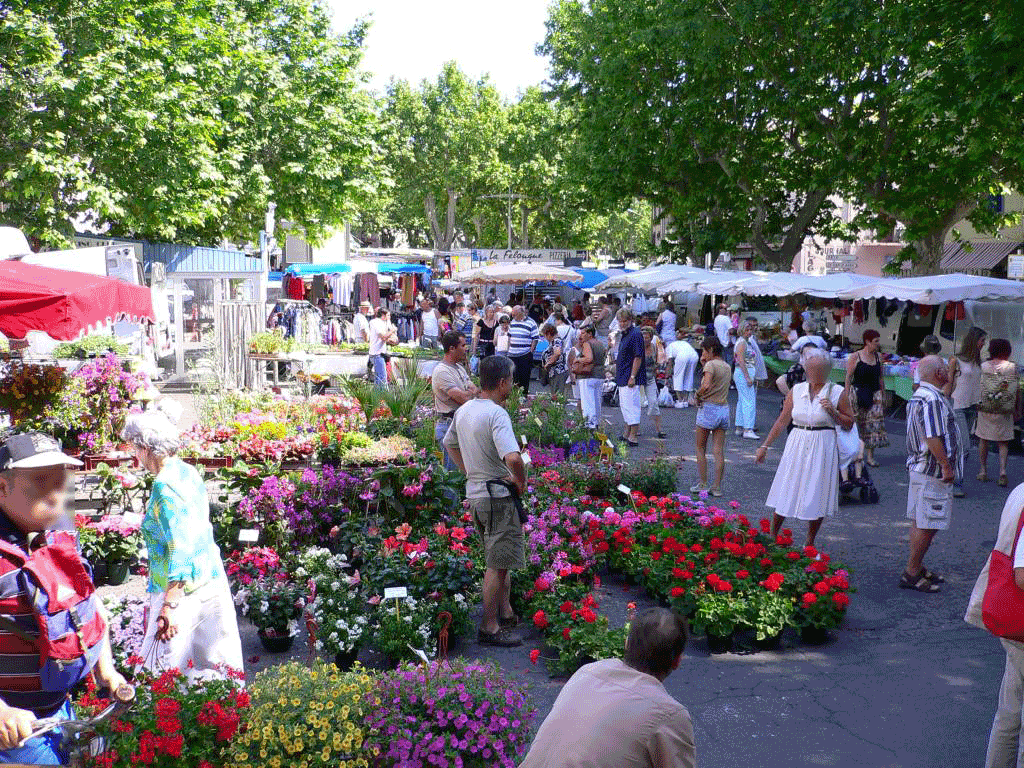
[
  {"x": 935, "y": 289},
  {"x": 654, "y": 279}
]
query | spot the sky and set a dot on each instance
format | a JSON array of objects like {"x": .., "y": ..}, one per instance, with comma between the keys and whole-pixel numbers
[{"x": 411, "y": 39}]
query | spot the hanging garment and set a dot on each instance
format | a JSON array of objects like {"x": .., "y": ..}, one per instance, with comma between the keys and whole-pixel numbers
[{"x": 319, "y": 290}]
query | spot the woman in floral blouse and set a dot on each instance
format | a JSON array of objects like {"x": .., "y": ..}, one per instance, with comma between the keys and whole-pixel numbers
[{"x": 191, "y": 624}]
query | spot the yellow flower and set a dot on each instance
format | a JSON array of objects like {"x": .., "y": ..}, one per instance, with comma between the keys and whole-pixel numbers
[{"x": 325, "y": 755}]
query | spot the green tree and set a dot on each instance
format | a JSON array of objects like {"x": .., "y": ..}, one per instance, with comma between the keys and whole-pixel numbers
[
  {"x": 442, "y": 147},
  {"x": 180, "y": 120}
]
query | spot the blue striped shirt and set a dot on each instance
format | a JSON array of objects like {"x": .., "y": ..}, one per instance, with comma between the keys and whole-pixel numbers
[
  {"x": 521, "y": 336},
  {"x": 930, "y": 414}
]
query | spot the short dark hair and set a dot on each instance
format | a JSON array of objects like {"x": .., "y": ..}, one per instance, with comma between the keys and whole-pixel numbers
[
  {"x": 549, "y": 330},
  {"x": 999, "y": 349},
  {"x": 450, "y": 340},
  {"x": 656, "y": 639},
  {"x": 712, "y": 345},
  {"x": 381, "y": 311},
  {"x": 931, "y": 345},
  {"x": 494, "y": 370},
  {"x": 870, "y": 334}
]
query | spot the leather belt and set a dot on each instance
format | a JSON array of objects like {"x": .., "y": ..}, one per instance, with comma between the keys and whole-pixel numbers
[{"x": 811, "y": 429}]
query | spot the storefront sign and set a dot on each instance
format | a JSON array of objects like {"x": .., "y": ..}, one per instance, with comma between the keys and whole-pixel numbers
[{"x": 1015, "y": 267}]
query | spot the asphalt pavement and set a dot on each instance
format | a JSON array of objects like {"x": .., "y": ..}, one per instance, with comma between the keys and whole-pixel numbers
[{"x": 904, "y": 682}]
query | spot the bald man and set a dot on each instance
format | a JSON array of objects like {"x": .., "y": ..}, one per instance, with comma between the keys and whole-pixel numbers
[{"x": 934, "y": 460}]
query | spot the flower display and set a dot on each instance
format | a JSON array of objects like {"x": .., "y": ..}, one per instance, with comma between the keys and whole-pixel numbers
[
  {"x": 110, "y": 539},
  {"x": 301, "y": 715},
  {"x": 173, "y": 722},
  {"x": 126, "y": 620},
  {"x": 335, "y": 602},
  {"x": 274, "y": 604},
  {"x": 464, "y": 713}
]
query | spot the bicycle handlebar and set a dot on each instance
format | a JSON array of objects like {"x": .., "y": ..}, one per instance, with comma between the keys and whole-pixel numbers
[{"x": 120, "y": 702}]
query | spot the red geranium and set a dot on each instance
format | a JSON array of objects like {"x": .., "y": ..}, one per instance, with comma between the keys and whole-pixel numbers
[
  {"x": 841, "y": 599},
  {"x": 678, "y": 592},
  {"x": 540, "y": 620},
  {"x": 534, "y": 655},
  {"x": 821, "y": 587},
  {"x": 810, "y": 598}
]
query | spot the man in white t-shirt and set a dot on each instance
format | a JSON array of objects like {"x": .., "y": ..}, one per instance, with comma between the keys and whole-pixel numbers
[
  {"x": 381, "y": 334},
  {"x": 361, "y": 322},
  {"x": 483, "y": 445},
  {"x": 724, "y": 331},
  {"x": 667, "y": 319}
]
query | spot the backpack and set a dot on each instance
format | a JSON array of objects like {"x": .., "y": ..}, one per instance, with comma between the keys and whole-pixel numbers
[
  {"x": 998, "y": 392},
  {"x": 70, "y": 628}
]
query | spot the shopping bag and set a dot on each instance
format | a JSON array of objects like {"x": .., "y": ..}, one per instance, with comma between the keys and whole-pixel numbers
[
  {"x": 997, "y": 603},
  {"x": 665, "y": 398}
]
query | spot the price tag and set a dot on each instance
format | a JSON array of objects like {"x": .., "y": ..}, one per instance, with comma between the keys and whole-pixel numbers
[
  {"x": 249, "y": 535},
  {"x": 523, "y": 440},
  {"x": 526, "y": 458},
  {"x": 396, "y": 592},
  {"x": 624, "y": 489},
  {"x": 609, "y": 443}
]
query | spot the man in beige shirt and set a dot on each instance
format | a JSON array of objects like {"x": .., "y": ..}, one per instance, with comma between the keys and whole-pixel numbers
[
  {"x": 451, "y": 385},
  {"x": 616, "y": 713}
]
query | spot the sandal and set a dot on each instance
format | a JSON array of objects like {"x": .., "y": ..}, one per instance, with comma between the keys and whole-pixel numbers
[
  {"x": 934, "y": 578},
  {"x": 982, "y": 477},
  {"x": 919, "y": 583},
  {"x": 1003, "y": 481}
]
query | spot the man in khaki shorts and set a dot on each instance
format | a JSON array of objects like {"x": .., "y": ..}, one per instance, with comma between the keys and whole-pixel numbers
[{"x": 482, "y": 443}]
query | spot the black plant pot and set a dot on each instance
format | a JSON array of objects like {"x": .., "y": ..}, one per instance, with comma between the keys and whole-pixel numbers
[
  {"x": 277, "y": 643},
  {"x": 117, "y": 572},
  {"x": 813, "y": 635},
  {"x": 344, "y": 660},
  {"x": 770, "y": 643},
  {"x": 719, "y": 644}
]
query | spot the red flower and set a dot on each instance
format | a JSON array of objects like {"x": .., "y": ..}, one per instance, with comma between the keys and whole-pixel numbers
[
  {"x": 566, "y": 633},
  {"x": 541, "y": 584},
  {"x": 696, "y": 548},
  {"x": 765, "y": 524},
  {"x": 821, "y": 587},
  {"x": 793, "y": 555},
  {"x": 655, "y": 555},
  {"x": 810, "y": 552},
  {"x": 766, "y": 562},
  {"x": 167, "y": 708},
  {"x": 810, "y": 598},
  {"x": 540, "y": 620},
  {"x": 588, "y": 615},
  {"x": 677, "y": 573},
  {"x": 534, "y": 655},
  {"x": 841, "y": 599},
  {"x": 678, "y": 591},
  {"x": 742, "y": 574},
  {"x": 566, "y": 607}
]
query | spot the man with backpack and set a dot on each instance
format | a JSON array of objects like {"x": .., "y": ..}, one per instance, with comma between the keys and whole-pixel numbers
[{"x": 52, "y": 628}]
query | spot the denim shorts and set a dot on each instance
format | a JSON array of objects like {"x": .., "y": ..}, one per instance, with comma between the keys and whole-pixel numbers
[{"x": 711, "y": 416}]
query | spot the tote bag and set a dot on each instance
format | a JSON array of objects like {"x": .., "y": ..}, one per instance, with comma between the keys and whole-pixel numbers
[
  {"x": 997, "y": 603},
  {"x": 847, "y": 440}
]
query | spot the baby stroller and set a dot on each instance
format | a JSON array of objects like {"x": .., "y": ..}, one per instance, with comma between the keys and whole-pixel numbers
[
  {"x": 610, "y": 393},
  {"x": 855, "y": 483}
]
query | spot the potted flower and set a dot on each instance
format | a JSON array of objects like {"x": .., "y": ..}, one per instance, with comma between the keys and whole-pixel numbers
[
  {"x": 113, "y": 543},
  {"x": 401, "y": 625},
  {"x": 822, "y": 606},
  {"x": 246, "y": 566},
  {"x": 274, "y": 605},
  {"x": 719, "y": 612},
  {"x": 415, "y": 710},
  {"x": 769, "y": 611},
  {"x": 335, "y": 605},
  {"x": 323, "y": 725}
]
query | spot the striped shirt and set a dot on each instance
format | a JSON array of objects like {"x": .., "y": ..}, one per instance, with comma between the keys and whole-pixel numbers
[
  {"x": 522, "y": 334},
  {"x": 930, "y": 414},
  {"x": 20, "y": 682}
]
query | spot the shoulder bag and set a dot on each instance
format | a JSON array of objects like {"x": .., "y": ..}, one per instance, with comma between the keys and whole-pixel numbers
[{"x": 997, "y": 603}]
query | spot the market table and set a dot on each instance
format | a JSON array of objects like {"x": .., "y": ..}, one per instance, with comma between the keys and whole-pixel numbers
[{"x": 901, "y": 386}]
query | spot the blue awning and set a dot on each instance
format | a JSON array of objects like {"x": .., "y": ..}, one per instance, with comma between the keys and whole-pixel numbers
[
  {"x": 417, "y": 269},
  {"x": 304, "y": 270}
]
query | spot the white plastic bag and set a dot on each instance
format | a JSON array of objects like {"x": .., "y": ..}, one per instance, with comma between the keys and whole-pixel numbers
[{"x": 665, "y": 398}]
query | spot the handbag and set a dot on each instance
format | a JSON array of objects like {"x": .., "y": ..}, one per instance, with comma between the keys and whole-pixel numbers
[
  {"x": 997, "y": 603},
  {"x": 847, "y": 440},
  {"x": 998, "y": 392}
]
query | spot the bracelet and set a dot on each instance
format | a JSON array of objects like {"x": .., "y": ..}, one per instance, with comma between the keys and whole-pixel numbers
[{"x": 169, "y": 604}]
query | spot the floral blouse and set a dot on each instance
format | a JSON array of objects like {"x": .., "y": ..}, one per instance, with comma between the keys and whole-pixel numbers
[{"x": 177, "y": 530}]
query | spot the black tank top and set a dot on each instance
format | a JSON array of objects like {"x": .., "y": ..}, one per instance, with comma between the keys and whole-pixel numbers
[{"x": 867, "y": 379}]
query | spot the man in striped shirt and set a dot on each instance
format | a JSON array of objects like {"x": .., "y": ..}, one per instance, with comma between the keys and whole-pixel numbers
[
  {"x": 934, "y": 460},
  {"x": 523, "y": 336},
  {"x": 33, "y": 489}
]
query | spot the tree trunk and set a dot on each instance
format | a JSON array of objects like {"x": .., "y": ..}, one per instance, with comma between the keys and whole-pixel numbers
[
  {"x": 524, "y": 225},
  {"x": 932, "y": 247},
  {"x": 442, "y": 238}
]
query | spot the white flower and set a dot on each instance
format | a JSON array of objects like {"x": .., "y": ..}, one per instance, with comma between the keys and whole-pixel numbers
[{"x": 335, "y": 585}]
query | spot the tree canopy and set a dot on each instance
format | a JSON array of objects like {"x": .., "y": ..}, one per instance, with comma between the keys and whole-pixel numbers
[{"x": 180, "y": 120}]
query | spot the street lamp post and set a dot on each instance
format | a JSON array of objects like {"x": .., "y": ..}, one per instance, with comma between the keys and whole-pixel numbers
[{"x": 510, "y": 197}]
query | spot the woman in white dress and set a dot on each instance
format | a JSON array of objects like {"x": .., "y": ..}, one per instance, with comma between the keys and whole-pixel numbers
[{"x": 806, "y": 485}]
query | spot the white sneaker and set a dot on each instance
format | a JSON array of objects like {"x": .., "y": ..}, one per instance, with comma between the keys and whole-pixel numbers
[
  {"x": 698, "y": 487},
  {"x": 679, "y": 404},
  {"x": 751, "y": 435}
]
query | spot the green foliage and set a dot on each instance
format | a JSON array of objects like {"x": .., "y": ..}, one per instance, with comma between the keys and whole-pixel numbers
[
  {"x": 180, "y": 121},
  {"x": 364, "y": 392},
  {"x": 96, "y": 345},
  {"x": 270, "y": 343}
]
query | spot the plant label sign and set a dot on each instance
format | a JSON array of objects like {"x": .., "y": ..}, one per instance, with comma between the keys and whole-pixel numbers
[
  {"x": 539, "y": 424},
  {"x": 249, "y": 535},
  {"x": 624, "y": 489},
  {"x": 397, "y": 593}
]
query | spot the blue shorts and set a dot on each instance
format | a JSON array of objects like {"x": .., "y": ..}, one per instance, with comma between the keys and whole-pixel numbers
[
  {"x": 712, "y": 417},
  {"x": 42, "y": 750}
]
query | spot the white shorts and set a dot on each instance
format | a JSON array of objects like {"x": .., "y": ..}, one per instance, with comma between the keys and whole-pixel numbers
[
  {"x": 929, "y": 502},
  {"x": 629, "y": 404}
]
